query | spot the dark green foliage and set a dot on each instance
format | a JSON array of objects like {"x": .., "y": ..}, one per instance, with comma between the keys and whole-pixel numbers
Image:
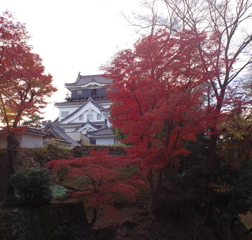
[
  {"x": 62, "y": 173},
  {"x": 32, "y": 186},
  {"x": 228, "y": 179},
  {"x": 51, "y": 151},
  {"x": 34, "y": 121},
  {"x": 118, "y": 134},
  {"x": 78, "y": 151}
]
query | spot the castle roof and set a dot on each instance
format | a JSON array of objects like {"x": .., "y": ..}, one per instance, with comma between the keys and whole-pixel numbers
[
  {"x": 83, "y": 80},
  {"x": 58, "y": 132},
  {"x": 104, "y": 131},
  {"x": 84, "y": 104},
  {"x": 81, "y": 102}
]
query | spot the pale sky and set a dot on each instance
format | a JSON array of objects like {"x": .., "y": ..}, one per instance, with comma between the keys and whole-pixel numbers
[{"x": 74, "y": 36}]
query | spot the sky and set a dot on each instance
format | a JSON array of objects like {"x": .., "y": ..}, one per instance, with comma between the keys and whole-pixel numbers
[{"x": 74, "y": 36}]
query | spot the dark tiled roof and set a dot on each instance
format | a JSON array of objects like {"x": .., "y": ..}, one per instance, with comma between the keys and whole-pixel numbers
[
  {"x": 56, "y": 120},
  {"x": 35, "y": 130},
  {"x": 105, "y": 110},
  {"x": 104, "y": 131},
  {"x": 80, "y": 102},
  {"x": 77, "y": 110},
  {"x": 88, "y": 122},
  {"x": 69, "y": 124},
  {"x": 80, "y": 124},
  {"x": 27, "y": 129},
  {"x": 58, "y": 132},
  {"x": 82, "y": 80}
]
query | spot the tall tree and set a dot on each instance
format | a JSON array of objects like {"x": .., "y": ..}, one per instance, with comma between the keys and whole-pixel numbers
[
  {"x": 230, "y": 19},
  {"x": 24, "y": 86},
  {"x": 156, "y": 93}
]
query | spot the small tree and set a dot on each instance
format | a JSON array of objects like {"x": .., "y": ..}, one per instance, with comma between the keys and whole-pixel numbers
[{"x": 103, "y": 181}]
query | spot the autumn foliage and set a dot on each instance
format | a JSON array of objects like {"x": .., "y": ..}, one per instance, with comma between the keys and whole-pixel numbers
[
  {"x": 103, "y": 183},
  {"x": 24, "y": 86},
  {"x": 157, "y": 93}
]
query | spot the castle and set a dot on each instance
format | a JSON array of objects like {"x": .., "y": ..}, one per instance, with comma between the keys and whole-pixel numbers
[{"x": 85, "y": 114}]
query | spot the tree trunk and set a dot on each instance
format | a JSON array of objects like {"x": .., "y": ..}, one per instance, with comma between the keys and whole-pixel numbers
[
  {"x": 92, "y": 223},
  {"x": 12, "y": 143}
]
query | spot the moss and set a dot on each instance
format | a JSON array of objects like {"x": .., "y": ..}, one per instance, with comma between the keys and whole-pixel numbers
[{"x": 49, "y": 152}]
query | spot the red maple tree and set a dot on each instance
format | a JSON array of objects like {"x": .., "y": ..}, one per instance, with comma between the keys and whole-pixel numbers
[
  {"x": 157, "y": 94},
  {"x": 24, "y": 86},
  {"x": 103, "y": 181}
]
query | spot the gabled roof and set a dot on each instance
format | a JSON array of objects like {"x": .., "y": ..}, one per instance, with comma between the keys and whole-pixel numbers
[
  {"x": 86, "y": 124},
  {"x": 58, "y": 132},
  {"x": 78, "y": 109},
  {"x": 83, "y": 80},
  {"x": 104, "y": 131}
]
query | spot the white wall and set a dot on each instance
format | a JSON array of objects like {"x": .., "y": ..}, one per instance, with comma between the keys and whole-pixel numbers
[
  {"x": 76, "y": 136},
  {"x": 105, "y": 141},
  {"x": 69, "y": 129},
  {"x": 26, "y": 140},
  {"x": 31, "y": 141},
  {"x": 69, "y": 109}
]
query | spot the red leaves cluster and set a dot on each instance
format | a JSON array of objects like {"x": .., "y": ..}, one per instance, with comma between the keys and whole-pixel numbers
[
  {"x": 103, "y": 179},
  {"x": 157, "y": 93},
  {"x": 23, "y": 85}
]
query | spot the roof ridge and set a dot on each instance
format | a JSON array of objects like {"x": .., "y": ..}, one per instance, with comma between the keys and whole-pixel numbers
[{"x": 78, "y": 109}]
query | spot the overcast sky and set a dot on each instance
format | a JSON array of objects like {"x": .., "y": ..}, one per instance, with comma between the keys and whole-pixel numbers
[{"x": 74, "y": 36}]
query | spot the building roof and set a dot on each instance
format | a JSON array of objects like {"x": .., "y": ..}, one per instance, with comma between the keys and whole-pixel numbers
[
  {"x": 104, "y": 131},
  {"x": 90, "y": 124},
  {"x": 83, "y": 80},
  {"x": 25, "y": 129},
  {"x": 85, "y": 103},
  {"x": 58, "y": 132},
  {"x": 80, "y": 124},
  {"x": 80, "y": 102}
]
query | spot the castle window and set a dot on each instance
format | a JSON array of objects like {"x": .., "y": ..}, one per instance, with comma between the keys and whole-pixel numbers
[
  {"x": 93, "y": 92},
  {"x": 99, "y": 116},
  {"x": 64, "y": 114},
  {"x": 90, "y": 116},
  {"x": 79, "y": 92},
  {"x": 81, "y": 118}
]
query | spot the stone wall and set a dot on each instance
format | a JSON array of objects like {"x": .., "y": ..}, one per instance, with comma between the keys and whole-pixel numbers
[
  {"x": 23, "y": 159},
  {"x": 33, "y": 158},
  {"x": 64, "y": 221}
]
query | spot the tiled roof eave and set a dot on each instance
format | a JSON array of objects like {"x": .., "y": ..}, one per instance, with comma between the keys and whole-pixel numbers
[
  {"x": 99, "y": 136},
  {"x": 69, "y": 125}
]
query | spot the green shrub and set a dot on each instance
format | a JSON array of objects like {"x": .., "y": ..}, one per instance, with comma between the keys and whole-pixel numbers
[
  {"x": 58, "y": 190},
  {"x": 32, "y": 187}
]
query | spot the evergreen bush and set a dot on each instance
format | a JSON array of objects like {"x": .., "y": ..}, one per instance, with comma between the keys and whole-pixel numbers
[{"x": 32, "y": 187}]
